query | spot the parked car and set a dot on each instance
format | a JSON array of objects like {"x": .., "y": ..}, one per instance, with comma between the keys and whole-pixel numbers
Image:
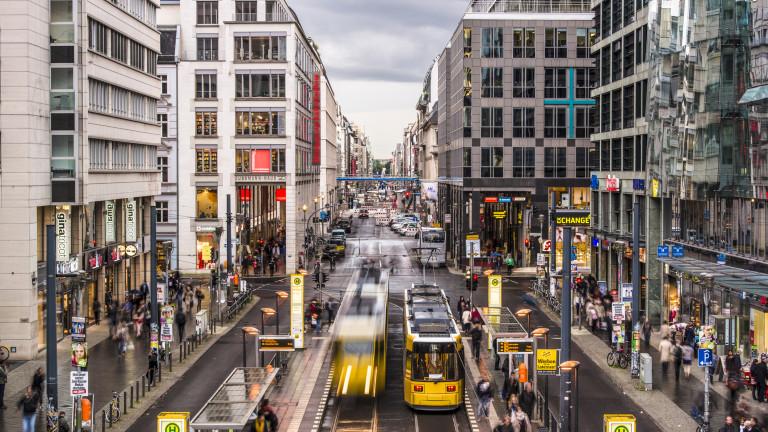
[
  {"x": 344, "y": 225},
  {"x": 363, "y": 214},
  {"x": 339, "y": 232},
  {"x": 337, "y": 245}
]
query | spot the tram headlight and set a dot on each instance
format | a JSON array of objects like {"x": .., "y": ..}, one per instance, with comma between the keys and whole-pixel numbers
[{"x": 450, "y": 388}]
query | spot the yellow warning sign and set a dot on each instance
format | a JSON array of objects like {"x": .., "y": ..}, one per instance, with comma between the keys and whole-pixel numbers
[
  {"x": 173, "y": 422},
  {"x": 547, "y": 361},
  {"x": 619, "y": 422}
]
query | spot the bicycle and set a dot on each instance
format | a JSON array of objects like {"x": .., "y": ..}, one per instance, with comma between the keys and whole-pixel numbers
[
  {"x": 52, "y": 417},
  {"x": 113, "y": 413},
  {"x": 618, "y": 358}
]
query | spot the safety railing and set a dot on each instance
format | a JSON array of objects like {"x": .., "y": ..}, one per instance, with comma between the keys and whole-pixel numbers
[
  {"x": 505, "y": 6},
  {"x": 554, "y": 424}
]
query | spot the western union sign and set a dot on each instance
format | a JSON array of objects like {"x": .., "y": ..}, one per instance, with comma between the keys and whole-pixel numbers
[{"x": 573, "y": 218}]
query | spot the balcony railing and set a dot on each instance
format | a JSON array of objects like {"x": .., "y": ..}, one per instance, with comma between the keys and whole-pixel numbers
[
  {"x": 245, "y": 17},
  {"x": 503, "y": 6}
]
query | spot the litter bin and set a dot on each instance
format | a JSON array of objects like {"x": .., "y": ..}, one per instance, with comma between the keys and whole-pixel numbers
[{"x": 646, "y": 371}]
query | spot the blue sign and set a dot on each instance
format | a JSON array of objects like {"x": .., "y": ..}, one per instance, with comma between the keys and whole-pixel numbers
[
  {"x": 706, "y": 358},
  {"x": 721, "y": 259},
  {"x": 595, "y": 184},
  {"x": 638, "y": 184},
  {"x": 505, "y": 199},
  {"x": 595, "y": 242},
  {"x": 662, "y": 251},
  {"x": 323, "y": 216},
  {"x": 677, "y": 251}
]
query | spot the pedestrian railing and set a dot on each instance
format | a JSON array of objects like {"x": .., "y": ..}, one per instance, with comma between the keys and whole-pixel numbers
[
  {"x": 234, "y": 308},
  {"x": 548, "y": 419}
]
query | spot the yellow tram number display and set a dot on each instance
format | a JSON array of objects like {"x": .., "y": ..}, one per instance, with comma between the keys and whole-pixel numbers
[
  {"x": 619, "y": 423},
  {"x": 514, "y": 346}
]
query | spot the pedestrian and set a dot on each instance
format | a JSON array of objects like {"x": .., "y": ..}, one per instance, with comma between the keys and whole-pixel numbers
[
  {"x": 181, "y": 320},
  {"x": 477, "y": 338},
  {"x": 647, "y": 328},
  {"x": 510, "y": 263},
  {"x": 272, "y": 266},
  {"x": 752, "y": 381},
  {"x": 760, "y": 375},
  {"x": 3, "y": 382},
  {"x": 687, "y": 354},
  {"x": 28, "y": 406},
  {"x": 729, "y": 425},
  {"x": 268, "y": 412},
  {"x": 505, "y": 425},
  {"x": 138, "y": 320},
  {"x": 37, "y": 382},
  {"x": 199, "y": 295},
  {"x": 664, "y": 330},
  {"x": 63, "y": 424},
  {"x": 476, "y": 318},
  {"x": 528, "y": 400},
  {"x": 665, "y": 350},
  {"x": 121, "y": 336},
  {"x": 153, "y": 364},
  {"x": 677, "y": 356},
  {"x": 733, "y": 363},
  {"x": 260, "y": 424},
  {"x": 460, "y": 306},
  {"x": 485, "y": 396},
  {"x": 97, "y": 311},
  {"x": 511, "y": 387},
  {"x": 466, "y": 320},
  {"x": 523, "y": 422}
]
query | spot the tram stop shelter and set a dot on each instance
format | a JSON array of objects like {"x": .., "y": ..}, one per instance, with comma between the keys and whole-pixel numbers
[
  {"x": 232, "y": 404},
  {"x": 507, "y": 336}
]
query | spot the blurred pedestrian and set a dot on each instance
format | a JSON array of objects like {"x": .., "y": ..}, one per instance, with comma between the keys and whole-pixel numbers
[
  {"x": 647, "y": 328},
  {"x": 181, "y": 320},
  {"x": 153, "y": 364},
  {"x": 97, "y": 311},
  {"x": 37, "y": 382},
  {"x": 63, "y": 424},
  {"x": 665, "y": 351},
  {"x": 466, "y": 319},
  {"x": 677, "y": 356},
  {"x": 729, "y": 425},
  {"x": 477, "y": 338},
  {"x": 687, "y": 355},
  {"x": 760, "y": 375},
  {"x": 485, "y": 396},
  {"x": 28, "y": 406},
  {"x": 752, "y": 378},
  {"x": 522, "y": 422},
  {"x": 528, "y": 400},
  {"x": 505, "y": 425}
]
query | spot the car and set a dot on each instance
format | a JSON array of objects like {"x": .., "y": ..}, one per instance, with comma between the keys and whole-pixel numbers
[
  {"x": 403, "y": 228},
  {"x": 337, "y": 245},
  {"x": 344, "y": 225},
  {"x": 339, "y": 232},
  {"x": 410, "y": 231},
  {"x": 363, "y": 214}
]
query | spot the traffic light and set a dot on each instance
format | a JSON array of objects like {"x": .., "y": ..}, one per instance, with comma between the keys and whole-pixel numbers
[
  {"x": 466, "y": 279},
  {"x": 474, "y": 281},
  {"x": 407, "y": 194},
  {"x": 527, "y": 243}
]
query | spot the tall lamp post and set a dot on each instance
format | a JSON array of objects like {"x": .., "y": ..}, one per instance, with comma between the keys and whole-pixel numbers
[
  {"x": 279, "y": 295},
  {"x": 525, "y": 313},
  {"x": 268, "y": 312},
  {"x": 251, "y": 331},
  {"x": 306, "y": 240},
  {"x": 543, "y": 332},
  {"x": 571, "y": 369}
]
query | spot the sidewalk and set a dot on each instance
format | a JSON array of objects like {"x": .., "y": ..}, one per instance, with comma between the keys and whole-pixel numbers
[
  {"x": 476, "y": 370},
  {"x": 107, "y": 371}
]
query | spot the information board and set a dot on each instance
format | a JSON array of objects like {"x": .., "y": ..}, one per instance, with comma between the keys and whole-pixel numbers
[
  {"x": 473, "y": 245},
  {"x": 297, "y": 310},
  {"x": 547, "y": 361},
  {"x": 514, "y": 346},
  {"x": 276, "y": 343},
  {"x": 78, "y": 383}
]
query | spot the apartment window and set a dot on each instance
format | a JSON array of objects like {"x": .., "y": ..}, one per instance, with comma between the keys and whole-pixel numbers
[
  {"x": 162, "y": 211},
  {"x": 640, "y": 41},
  {"x": 207, "y": 48},
  {"x": 492, "y": 82},
  {"x": 163, "y": 120},
  {"x": 555, "y": 85},
  {"x": 584, "y": 118},
  {"x": 493, "y": 42},
  {"x": 492, "y": 162},
  {"x": 554, "y": 162},
  {"x": 523, "y": 43},
  {"x": 119, "y": 101},
  {"x": 555, "y": 43},
  {"x": 162, "y": 166},
  {"x": 207, "y": 203},
  {"x": 260, "y": 122},
  {"x": 524, "y": 162},
  {"x": 467, "y": 122},
  {"x": 467, "y": 161},
  {"x": 274, "y": 11},
  {"x": 492, "y": 123},
  {"x": 616, "y": 109},
  {"x": 523, "y": 123},
  {"x": 582, "y": 162},
  {"x": 554, "y": 123},
  {"x": 243, "y": 160},
  {"x": 467, "y": 86},
  {"x": 206, "y": 161},
  {"x": 245, "y": 11},
  {"x": 264, "y": 85},
  {"x": 207, "y": 12},
  {"x": 641, "y": 87},
  {"x": 99, "y": 152},
  {"x": 629, "y": 54},
  {"x": 524, "y": 83},
  {"x": 97, "y": 36},
  {"x": 205, "y": 85},
  {"x": 585, "y": 38},
  {"x": 137, "y": 55},
  {"x": 260, "y": 48},
  {"x": 163, "y": 84},
  {"x": 616, "y": 60},
  {"x": 98, "y": 94},
  {"x": 627, "y": 153},
  {"x": 616, "y": 155},
  {"x": 629, "y": 106},
  {"x": 119, "y": 45},
  {"x": 467, "y": 42},
  {"x": 205, "y": 123},
  {"x": 585, "y": 82}
]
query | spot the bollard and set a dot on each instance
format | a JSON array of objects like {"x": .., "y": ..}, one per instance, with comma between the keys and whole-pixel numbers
[
  {"x": 104, "y": 420},
  {"x": 181, "y": 351},
  {"x": 170, "y": 362},
  {"x": 125, "y": 404},
  {"x": 136, "y": 385},
  {"x": 143, "y": 386},
  {"x": 131, "y": 397}
]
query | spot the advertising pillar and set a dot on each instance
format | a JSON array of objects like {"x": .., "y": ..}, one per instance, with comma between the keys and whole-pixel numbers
[{"x": 297, "y": 310}]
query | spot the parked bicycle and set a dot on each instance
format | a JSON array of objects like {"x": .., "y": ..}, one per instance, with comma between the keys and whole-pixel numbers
[
  {"x": 618, "y": 358},
  {"x": 52, "y": 417},
  {"x": 113, "y": 411}
]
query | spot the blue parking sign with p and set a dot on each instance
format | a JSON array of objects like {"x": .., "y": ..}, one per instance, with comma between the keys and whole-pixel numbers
[{"x": 706, "y": 357}]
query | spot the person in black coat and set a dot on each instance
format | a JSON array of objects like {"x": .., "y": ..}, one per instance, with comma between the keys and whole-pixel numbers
[
  {"x": 477, "y": 339},
  {"x": 528, "y": 400},
  {"x": 760, "y": 375}
]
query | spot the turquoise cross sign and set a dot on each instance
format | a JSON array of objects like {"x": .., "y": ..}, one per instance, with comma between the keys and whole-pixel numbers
[{"x": 571, "y": 102}]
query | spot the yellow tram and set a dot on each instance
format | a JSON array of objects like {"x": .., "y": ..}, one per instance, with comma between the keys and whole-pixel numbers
[
  {"x": 434, "y": 356},
  {"x": 360, "y": 339}
]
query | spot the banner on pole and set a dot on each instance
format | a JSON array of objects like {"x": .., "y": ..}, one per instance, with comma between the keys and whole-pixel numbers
[{"x": 78, "y": 383}]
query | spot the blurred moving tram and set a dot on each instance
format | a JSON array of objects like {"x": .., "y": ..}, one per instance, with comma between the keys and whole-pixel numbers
[
  {"x": 360, "y": 336},
  {"x": 434, "y": 356}
]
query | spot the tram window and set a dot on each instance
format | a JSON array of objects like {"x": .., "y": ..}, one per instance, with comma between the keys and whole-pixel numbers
[
  {"x": 358, "y": 347},
  {"x": 434, "y": 361},
  {"x": 433, "y": 236}
]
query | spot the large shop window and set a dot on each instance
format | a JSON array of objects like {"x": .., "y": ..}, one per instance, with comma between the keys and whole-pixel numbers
[
  {"x": 206, "y": 248},
  {"x": 206, "y": 161},
  {"x": 266, "y": 122},
  {"x": 207, "y": 203},
  {"x": 260, "y": 48},
  {"x": 260, "y": 161}
]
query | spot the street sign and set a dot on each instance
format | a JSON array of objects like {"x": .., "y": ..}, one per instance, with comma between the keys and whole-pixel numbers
[
  {"x": 547, "y": 361},
  {"x": 297, "y": 310},
  {"x": 78, "y": 383},
  {"x": 706, "y": 358},
  {"x": 447, "y": 218},
  {"x": 276, "y": 343},
  {"x": 721, "y": 259},
  {"x": 547, "y": 246},
  {"x": 619, "y": 422},
  {"x": 662, "y": 251},
  {"x": 514, "y": 346},
  {"x": 494, "y": 291},
  {"x": 473, "y": 245},
  {"x": 626, "y": 292},
  {"x": 573, "y": 218},
  {"x": 541, "y": 259},
  {"x": 173, "y": 422},
  {"x": 617, "y": 309},
  {"x": 677, "y": 251}
]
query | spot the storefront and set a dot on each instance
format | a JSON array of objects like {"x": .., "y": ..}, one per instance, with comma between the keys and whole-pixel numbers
[
  {"x": 207, "y": 248},
  {"x": 261, "y": 201},
  {"x": 503, "y": 224}
]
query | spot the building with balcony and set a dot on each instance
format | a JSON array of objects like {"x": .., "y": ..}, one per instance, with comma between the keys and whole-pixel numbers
[
  {"x": 514, "y": 119},
  {"x": 254, "y": 120},
  {"x": 78, "y": 98}
]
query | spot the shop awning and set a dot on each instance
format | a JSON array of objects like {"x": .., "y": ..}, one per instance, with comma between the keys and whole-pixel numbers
[
  {"x": 734, "y": 278},
  {"x": 754, "y": 94}
]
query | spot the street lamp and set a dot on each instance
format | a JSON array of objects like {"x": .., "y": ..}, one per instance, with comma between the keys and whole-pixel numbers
[
  {"x": 268, "y": 312},
  {"x": 248, "y": 330},
  {"x": 525, "y": 313},
  {"x": 543, "y": 332},
  {"x": 279, "y": 295},
  {"x": 568, "y": 367}
]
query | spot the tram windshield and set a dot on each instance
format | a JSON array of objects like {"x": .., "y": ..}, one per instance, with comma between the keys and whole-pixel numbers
[
  {"x": 433, "y": 236},
  {"x": 434, "y": 361}
]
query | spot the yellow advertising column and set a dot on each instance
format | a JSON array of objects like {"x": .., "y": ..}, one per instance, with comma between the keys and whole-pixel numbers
[
  {"x": 297, "y": 310},
  {"x": 494, "y": 303},
  {"x": 173, "y": 422}
]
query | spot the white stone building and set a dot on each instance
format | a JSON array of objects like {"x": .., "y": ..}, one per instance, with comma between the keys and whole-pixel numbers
[{"x": 79, "y": 137}]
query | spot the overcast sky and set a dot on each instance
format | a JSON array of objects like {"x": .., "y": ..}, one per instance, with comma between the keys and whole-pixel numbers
[{"x": 377, "y": 53}]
